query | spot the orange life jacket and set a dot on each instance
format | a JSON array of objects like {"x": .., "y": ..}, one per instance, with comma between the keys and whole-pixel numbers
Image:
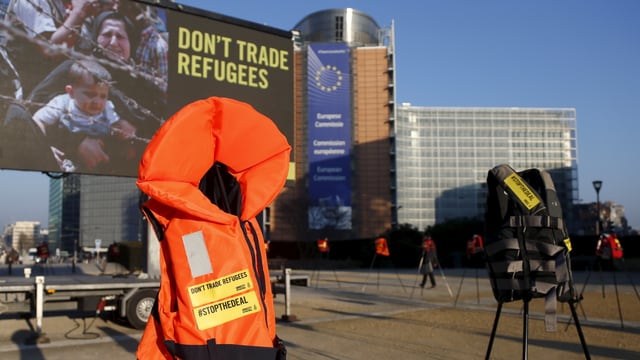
[
  {"x": 609, "y": 247},
  {"x": 381, "y": 247},
  {"x": 42, "y": 251},
  {"x": 616, "y": 247},
  {"x": 428, "y": 244},
  {"x": 215, "y": 301},
  {"x": 323, "y": 245},
  {"x": 474, "y": 245}
]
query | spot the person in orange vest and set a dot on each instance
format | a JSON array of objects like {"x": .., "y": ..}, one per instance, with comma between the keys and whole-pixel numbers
[{"x": 429, "y": 261}]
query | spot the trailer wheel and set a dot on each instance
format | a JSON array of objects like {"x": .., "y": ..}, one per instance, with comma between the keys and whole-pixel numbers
[{"x": 139, "y": 308}]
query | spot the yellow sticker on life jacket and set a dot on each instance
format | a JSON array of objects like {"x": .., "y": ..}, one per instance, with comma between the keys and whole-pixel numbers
[
  {"x": 520, "y": 189},
  {"x": 220, "y": 288},
  {"x": 567, "y": 243},
  {"x": 218, "y": 313}
]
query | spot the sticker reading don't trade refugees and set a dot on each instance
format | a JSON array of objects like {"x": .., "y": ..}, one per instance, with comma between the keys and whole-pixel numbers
[{"x": 220, "y": 288}]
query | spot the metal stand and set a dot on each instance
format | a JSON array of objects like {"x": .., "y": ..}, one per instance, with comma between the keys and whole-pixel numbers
[
  {"x": 316, "y": 272},
  {"x": 460, "y": 287},
  {"x": 525, "y": 330},
  {"x": 378, "y": 280},
  {"x": 444, "y": 278},
  {"x": 417, "y": 278},
  {"x": 615, "y": 285}
]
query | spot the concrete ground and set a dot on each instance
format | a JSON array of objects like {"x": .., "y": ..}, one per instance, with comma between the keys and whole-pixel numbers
[
  {"x": 370, "y": 314},
  {"x": 363, "y": 315}
]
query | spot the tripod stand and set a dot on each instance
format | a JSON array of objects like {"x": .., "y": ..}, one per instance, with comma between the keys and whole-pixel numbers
[
  {"x": 315, "y": 274},
  {"x": 525, "y": 329},
  {"x": 373, "y": 261},
  {"x": 323, "y": 250},
  {"x": 460, "y": 287},
  {"x": 599, "y": 261},
  {"x": 475, "y": 260}
]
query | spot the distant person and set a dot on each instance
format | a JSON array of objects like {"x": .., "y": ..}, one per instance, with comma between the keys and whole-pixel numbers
[
  {"x": 42, "y": 253},
  {"x": 429, "y": 261},
  {"x": 78, "y": 123},
  {"x": 12, "y": 257}
]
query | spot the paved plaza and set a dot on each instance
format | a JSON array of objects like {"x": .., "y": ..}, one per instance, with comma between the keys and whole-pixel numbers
[{"x": 381, "y": 314}]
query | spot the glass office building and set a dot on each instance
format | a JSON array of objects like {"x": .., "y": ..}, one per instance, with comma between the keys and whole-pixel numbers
[
  {"x": 83, "y": 208},
  {"x": 443, "y": 155}
]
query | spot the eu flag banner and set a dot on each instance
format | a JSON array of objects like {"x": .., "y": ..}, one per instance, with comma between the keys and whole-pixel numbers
[{"x": 329, "y": 124}]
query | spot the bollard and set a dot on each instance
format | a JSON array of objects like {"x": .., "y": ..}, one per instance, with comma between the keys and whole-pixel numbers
[
  {"x": 39, "y": 337},
  {"x": 39, "y": 303},
  {"x": 287, "y": 297}
]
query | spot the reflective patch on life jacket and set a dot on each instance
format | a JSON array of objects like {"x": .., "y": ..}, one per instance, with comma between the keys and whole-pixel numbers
[
  {"x": 218, "y": 313},
  {"x": 220, "y": 288},
  {"x": 197, "y": 254}
]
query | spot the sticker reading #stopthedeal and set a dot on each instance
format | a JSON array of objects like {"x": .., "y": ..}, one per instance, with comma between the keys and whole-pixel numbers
[
  {"x": 220, "y": 288},
  {"x": 220, "y": 312}
]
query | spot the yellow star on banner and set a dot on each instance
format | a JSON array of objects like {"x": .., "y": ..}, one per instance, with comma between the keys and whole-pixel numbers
[{"x": 328, "y": 78}]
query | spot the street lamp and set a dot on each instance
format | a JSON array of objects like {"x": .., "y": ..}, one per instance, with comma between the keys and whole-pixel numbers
[
  {"x": 396, "y": 209},
  {"x": 597, "y": 185}
]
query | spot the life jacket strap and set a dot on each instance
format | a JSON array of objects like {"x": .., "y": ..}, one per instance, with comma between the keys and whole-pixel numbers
[
  {"x": 213, "y": 351},
  {"x": 539, "y": 221},
  {"x": 155, "y": 224}
]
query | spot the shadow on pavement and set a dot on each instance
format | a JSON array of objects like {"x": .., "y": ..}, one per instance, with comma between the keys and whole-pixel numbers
[
  {"x": 22, "y": 337},
  {"x": 125, "y": 341}
]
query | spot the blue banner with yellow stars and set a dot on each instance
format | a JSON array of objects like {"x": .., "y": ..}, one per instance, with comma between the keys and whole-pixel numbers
[{"x": 329, "y": 129}]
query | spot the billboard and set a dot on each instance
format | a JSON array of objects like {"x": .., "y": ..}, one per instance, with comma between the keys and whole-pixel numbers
[
  {"x": 84, "y": 89},
  {"x": 329, "y": 124}
]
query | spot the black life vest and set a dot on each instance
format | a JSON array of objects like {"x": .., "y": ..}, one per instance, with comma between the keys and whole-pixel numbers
[{"x": 526, "y": 241}]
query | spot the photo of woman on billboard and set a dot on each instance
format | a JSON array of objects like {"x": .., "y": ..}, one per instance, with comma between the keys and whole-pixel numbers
[{"x": 134, "y": 54}]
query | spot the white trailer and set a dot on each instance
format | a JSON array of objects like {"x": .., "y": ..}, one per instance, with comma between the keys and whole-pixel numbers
[{"x": 130, "y": 298}]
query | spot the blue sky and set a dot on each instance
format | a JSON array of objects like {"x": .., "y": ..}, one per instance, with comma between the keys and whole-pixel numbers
[{"x": 583, "y": 54}]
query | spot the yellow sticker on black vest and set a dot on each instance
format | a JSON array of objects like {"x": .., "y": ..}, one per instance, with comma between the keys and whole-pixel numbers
[
  {"x": 218, "y": 313},
  {"x": 520, "y": 189},
  {"x": 220, "y": 288}
]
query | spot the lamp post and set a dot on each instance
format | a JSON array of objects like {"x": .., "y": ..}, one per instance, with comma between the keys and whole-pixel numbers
[
  {"x": 597, "y": 185},
  {"x": 395, "y": 222},
  {"x": 75, "y": 253}
]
